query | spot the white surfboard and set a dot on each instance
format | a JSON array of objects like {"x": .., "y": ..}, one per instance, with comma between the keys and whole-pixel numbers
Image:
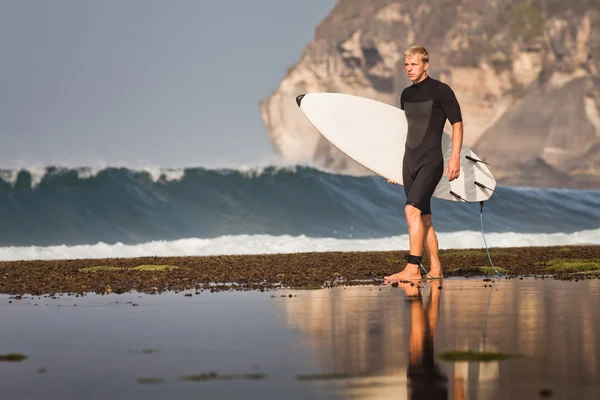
[{"x": 374, "y": 134}]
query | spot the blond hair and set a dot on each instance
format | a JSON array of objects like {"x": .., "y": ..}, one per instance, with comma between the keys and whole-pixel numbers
[{"x": 417, "y": 50}]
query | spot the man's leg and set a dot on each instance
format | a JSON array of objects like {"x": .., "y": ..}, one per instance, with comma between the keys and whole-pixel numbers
[
  {"x": 419, "y": 191},
  {"x": 430, "y": 244},
  {"x": 415, "y": 237}
]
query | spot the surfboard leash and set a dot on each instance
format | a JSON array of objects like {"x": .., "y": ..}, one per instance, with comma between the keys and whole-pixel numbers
[
  {"x": 484, "y": 241},
  {"x": 482, "y": 186},
  {"x": 459, "y": 197},
  {"x": 426, "y": 273}
]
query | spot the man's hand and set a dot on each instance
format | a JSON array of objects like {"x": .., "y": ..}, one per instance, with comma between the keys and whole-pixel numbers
[
  {"x": 453, "y": 169},
  {"x": 392, "y": 182}
]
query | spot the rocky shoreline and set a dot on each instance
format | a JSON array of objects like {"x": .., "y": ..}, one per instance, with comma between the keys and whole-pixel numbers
[{"x": 266, "y": 272}]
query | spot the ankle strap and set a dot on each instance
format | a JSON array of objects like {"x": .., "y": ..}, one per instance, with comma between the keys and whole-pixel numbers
[{"x": 413, "y": 259}]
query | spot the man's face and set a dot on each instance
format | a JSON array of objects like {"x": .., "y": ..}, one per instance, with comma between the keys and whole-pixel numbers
[{"x": 415, "y": 67}]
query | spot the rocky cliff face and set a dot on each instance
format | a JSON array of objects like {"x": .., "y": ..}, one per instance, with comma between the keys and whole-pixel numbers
[{"x": 527, "y": 75}]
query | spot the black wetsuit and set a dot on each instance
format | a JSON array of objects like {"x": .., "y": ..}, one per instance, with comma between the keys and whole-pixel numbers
[{"x": 427, "y": 105}]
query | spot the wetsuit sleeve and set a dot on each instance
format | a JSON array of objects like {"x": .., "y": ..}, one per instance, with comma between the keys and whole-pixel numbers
[
  {"x": 450, "y": 104},
  {"x": 402, "y": 100}
]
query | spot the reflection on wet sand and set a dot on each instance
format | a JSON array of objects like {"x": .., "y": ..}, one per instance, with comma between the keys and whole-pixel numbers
[
  {"x": 426, "y": 380},
  {"x": 393, "y": 336}
]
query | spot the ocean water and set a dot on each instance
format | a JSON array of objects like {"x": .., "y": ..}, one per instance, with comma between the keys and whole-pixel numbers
[{"x": 55, "y": 212}]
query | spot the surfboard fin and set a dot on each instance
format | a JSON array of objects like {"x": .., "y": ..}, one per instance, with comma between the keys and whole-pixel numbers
[
  {"x": 299, "y": 99},
  {"x": 476, "y": 160},
  {"x": 481, "y": 185},
  {"x": 458, "y": 196}
]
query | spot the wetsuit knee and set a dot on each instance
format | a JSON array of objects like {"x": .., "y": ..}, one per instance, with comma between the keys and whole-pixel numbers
[{"x": 422, "y": 206}]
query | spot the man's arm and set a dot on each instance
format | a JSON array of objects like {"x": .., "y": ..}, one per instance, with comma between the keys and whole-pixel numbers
[
  {"x": 453, "y": 113},
  {"x": 453, "y": 167}
]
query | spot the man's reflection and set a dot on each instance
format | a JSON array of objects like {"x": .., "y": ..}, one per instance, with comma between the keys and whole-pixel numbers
[{"x": 426, "y": 380}]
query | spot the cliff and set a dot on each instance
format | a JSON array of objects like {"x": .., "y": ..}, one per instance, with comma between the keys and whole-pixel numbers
[{"x": 526, "y": 75}]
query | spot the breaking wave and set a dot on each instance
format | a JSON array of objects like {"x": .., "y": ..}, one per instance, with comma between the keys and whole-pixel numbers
[{"x": 85, "y": 206}]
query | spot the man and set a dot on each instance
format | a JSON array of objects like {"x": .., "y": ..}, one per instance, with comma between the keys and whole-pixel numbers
[{"x": 427, "y": 104}]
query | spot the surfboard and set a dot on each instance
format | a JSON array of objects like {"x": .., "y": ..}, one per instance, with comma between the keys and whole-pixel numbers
[{"x": 373, "y": 134}]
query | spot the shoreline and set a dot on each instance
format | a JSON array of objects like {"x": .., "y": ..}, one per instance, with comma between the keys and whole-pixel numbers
[{"x": 271, "y": 271}]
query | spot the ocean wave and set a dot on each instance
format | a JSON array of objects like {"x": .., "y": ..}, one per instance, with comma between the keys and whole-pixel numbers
[
  {"x": 79, "y": 206},
  {"x": 267, "y": 244}
]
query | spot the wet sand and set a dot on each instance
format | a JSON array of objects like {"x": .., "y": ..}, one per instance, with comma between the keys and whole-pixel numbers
[
  {"x": 347, "y": 342},
  {"x": 264, "y": 272}
]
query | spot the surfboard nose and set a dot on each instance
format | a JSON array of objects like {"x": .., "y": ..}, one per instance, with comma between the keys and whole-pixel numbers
[{"x": 299, "y": 99}]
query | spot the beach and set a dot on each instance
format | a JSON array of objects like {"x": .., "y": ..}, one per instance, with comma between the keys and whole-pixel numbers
[
  {"x": 527, "y": 336},
  {"x": 303, "y": 325},
  {"x": 269, "y": 271}
]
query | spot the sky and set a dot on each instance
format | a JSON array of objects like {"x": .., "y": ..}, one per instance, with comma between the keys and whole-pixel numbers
[{"x": 144, "y": 82}]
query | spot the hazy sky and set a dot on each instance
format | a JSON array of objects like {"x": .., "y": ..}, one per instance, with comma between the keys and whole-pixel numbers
[{"x": 135, "y": 82}]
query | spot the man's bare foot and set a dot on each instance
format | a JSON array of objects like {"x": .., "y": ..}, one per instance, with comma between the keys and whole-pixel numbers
[
  {"x": 410, "y": 273},
  {"x": 436, "y": 273}
]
